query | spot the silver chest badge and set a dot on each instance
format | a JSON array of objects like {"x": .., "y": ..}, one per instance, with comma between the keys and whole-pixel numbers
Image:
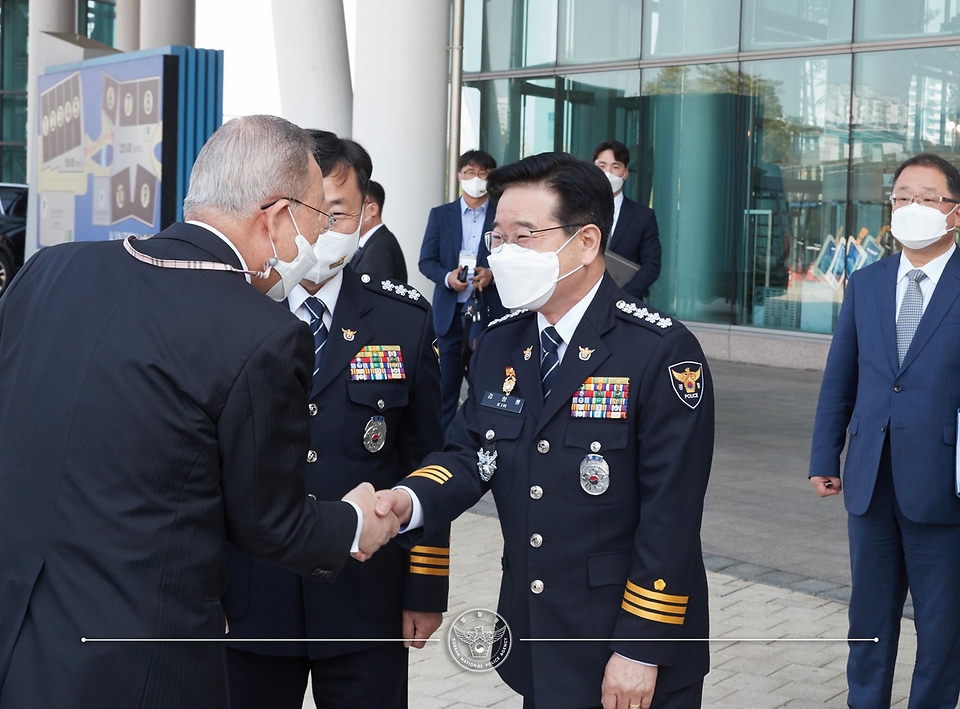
[
  {"x": 375, "y": 434},
  {"x": 486, "y": 464},
  {"x": 594, "y": 475}
]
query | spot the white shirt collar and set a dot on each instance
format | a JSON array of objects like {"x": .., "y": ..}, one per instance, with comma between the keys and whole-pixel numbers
[
  {"x": 243, "y": 264},
  {"x": 617, "y": 202},
  {"x": 329, "y": 293},
  {"x": 567, "y": 325},
  {"x": 366, "y": 237},
  {"x": 933, "y": 270}
]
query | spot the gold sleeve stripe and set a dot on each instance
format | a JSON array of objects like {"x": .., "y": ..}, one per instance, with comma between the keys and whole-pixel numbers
[
  {"x": 429, "y": 572},
  {"x": 651, "y": 605},
  {"x": 656, "y": 617},
  {"x": 430, "y": 476},
  {"x": 439, "y": 470},
  {"x": 653, "y": 595},
  {"x": 441, "y": 551},
  {"x": 429, "y": 560}
]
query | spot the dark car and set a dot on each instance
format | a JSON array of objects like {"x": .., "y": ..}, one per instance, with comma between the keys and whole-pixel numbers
[{"x": 13, "y": 227}]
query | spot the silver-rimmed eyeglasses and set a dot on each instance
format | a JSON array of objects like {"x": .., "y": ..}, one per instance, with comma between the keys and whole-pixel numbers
[
  {"x": 324, "y": 227},
  {"x": 521, "y": 237},
  {"x": 930, "y": 199}
]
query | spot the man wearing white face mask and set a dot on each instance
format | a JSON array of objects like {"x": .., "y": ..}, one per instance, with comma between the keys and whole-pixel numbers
[
  {"x": 374, "y": 414},
  {"x": 891, "y": 384},
  {"x": 591, "y": 420},
  {"x": 153, "y": 406},
  {"x": 635, "y": 235},
  {"x": 454, "y": 257}
]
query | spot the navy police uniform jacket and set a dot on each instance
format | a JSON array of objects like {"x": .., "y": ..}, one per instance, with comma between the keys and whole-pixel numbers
[
  {"x": 367, "y": 600},
  {"x": 623, "y": 564},
  {"x": 147, "y": 416}
]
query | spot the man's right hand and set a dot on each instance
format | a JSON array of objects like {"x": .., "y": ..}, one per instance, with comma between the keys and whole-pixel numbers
[
  {"x": 454, "y": 283},
  {"x": 826, "y": 486},
  {"x": 378, "y": 528},
  {"x": 395, "y": 502}
]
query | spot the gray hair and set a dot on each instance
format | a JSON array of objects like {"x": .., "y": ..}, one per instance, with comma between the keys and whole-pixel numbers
[{"x": 247, "y": 162}]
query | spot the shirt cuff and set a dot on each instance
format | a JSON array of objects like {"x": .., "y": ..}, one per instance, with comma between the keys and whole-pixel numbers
[
  {"x": 355, "y": 547},
  {"x": 416, "y": 514},
  {"x": 639, "y": 662}
]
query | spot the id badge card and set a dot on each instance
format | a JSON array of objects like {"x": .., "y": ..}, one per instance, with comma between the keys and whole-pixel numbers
[{"x": 469, "y": 260}]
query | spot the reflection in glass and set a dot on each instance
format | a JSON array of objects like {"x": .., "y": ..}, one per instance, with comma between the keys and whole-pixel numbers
[
  {"x": 515, "y": 117},
  {"x": 599, "y": 30},
  {"x": 892, "y": 19},
  {"x": 13, "y": 61},
  {"x": 511, "y": 34},
  {"x": 674, "y": 28},
  {"x": 769, "y": 24},
  {"x": 96, "y": 20},
  {"x": 904, "y": 102},
  {"x": 792, "y": 253},
  {"x": 599, "y": 107},
  {"x": 689, "y": 116}
]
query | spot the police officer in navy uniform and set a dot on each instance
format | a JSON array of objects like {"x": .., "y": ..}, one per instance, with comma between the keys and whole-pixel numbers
[
  {"x": 375, "y": 413},
  {"x": 592, "y": 420}
]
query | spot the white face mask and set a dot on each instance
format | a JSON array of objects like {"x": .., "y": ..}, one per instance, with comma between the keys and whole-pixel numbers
[
  {"x": 917, "y": 227},
  {"x": 527, "y": 278},
  {"x": 334, "y": 251},
  {"x": 291, "y": 272},
  {"x": 475, "y": 187},
  {"x": 616, "y": 182}
]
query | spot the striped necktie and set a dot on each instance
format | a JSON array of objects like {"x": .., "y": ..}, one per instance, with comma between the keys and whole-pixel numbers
[
  {"x": 549, "y": 358},
  {"x": 911, "y": 310},
  {"x": 316, "y": 308}
]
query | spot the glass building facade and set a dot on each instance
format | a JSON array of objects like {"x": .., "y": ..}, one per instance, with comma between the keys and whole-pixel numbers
[{"x": 764, "y": 133}]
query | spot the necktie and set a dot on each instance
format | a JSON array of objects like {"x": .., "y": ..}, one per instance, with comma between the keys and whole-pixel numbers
[
  {"x": 316, "y": 308},
  {"x": 911, "y": 309},
  {"x": 549, "y": 359}
]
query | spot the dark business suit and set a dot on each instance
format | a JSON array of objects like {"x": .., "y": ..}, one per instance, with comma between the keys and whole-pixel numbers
[
  {"x": 440, "y": 254},
  {"x": 147, "y": 416},
  {"x": 637, "y": 238},
  {"x": 367, "y": 601},
  {"x": 898, "y": 480},
  {"x": 625, "y": 563},
  {"x": 381, "y": 256}
]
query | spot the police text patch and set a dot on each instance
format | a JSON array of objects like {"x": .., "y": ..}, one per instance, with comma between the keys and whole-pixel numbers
[{"x": 686, "y": 378}]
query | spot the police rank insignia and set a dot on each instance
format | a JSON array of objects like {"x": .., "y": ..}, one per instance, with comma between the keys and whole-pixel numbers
[
  {"x": 594, "y": 475},
  {"x": 377, "y": 362},
  {"x": 601, "y": 398},
  {"x": 510, "y": 382},
  {"x": 586, "y": 353},
  {"x": 528, "y": 353},
  {"x": 375, "y": 434},
  {"x": 687, "y": 382},
  {"x": 486, "y": 463},
  {"x": 348, "y": 334}
]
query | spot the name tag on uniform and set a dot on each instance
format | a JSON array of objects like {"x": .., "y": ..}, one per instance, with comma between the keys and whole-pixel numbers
[
  {"x": 501, "y": 402},
  {"x": 601, "y": 398},
  {"x": 377, "y": 362}
]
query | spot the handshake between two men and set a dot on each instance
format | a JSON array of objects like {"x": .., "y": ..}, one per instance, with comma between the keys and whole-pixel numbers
[{"x": 384, "y": 512}]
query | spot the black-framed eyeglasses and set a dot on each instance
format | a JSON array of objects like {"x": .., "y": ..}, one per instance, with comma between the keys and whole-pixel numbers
[
  {"x": 521, "y": 237},
  {"x": 331, "y": 220},
  {"x": 931, "y": 199}
]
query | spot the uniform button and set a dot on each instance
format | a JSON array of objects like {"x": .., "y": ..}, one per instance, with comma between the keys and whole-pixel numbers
[
  {"x": 311, "y": 456},
  {"x": 536, "y": 492},
  {"x": 536, "y": 541},
  {"x": 365, "y": 278},
  {"x": 537, "y": 586},
  {"x": 490, "y": 434},
  {"x": 897, "y": 388},
  {"x": 381, "y": 404},
  {"x": 311, "y": 495},
  {"x": 543, "y": 446},
  {"x": 595, "y": 447},
  {"x": 312, "y": 408}
]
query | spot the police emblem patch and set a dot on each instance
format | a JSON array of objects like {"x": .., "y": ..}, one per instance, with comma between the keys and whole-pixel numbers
[
  {"x": 486, "y": 463},
  {"x": 687, "y": 382}
]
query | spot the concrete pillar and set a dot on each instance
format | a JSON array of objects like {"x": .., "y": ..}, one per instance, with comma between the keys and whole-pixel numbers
[
  {"x": 313, "y": 64},
  {"x": 127, "y": 27},
  {"x": 400, "y": 111},
  {"x": 164, "y": 22}
]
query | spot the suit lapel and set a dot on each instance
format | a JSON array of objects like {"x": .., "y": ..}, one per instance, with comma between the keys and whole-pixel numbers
[
  {"x": 338, "y": 352},
  {"x": 887, "y": 300},
  {"x": 944, "y": 296},
  {"x": 626, "y": 216},
  {"x": 574, "y": 370}
]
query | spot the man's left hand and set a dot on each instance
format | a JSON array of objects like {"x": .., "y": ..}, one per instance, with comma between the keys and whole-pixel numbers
[
  {"x": 418, "y": 626},
  {"x": 482, "y": 278},
  {"x": 627, "y": 684}
]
